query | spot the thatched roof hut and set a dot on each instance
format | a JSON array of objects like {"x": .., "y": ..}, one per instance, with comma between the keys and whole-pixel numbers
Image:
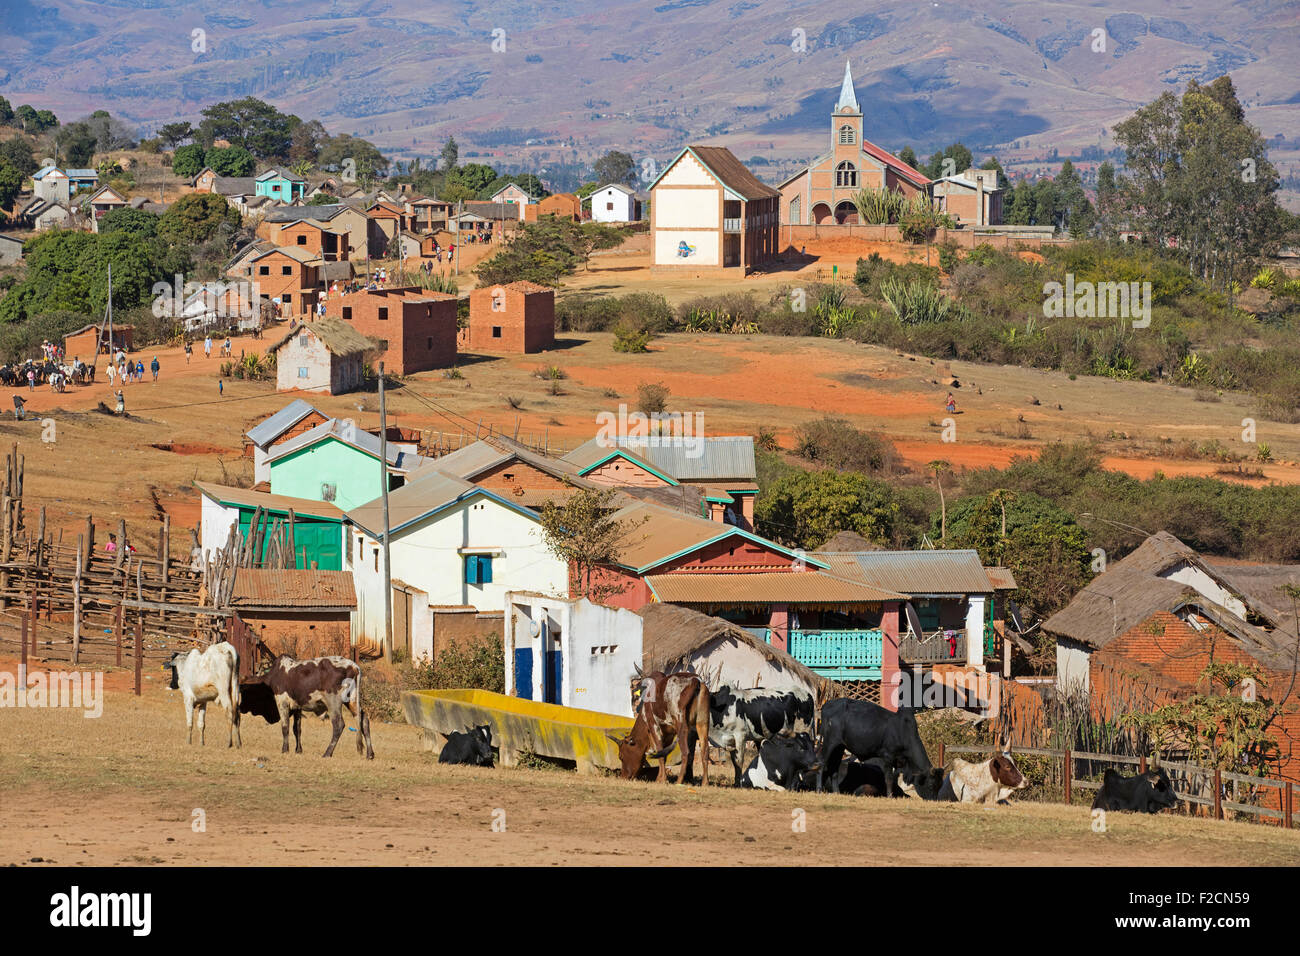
[{"x": 677, "y": 638}]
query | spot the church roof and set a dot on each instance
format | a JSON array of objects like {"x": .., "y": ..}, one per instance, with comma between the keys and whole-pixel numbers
[{"x": 847, "y": 96}]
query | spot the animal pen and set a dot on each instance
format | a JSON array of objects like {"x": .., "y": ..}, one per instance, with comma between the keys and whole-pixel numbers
[{"x": 73, "y": 601}]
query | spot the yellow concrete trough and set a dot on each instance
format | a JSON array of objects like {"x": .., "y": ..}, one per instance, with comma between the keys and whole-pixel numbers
[{"x": 518, "y": 725}]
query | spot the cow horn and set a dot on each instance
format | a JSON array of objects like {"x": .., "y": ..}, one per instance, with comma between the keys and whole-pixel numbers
[{"x": 617, "y": 740}]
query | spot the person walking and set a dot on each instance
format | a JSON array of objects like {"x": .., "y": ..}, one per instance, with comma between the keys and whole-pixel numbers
[
  {"x": 139, "y": 371},
  {"x": 188, "y": 351},
  {"x": 951, "y": 405},
  {"x": 31, "y": 379},
  {"x": 207, "y": 347},
  {"x": 111, "y": 372},
  {"x": 154, "y": 367},
  {"x": 221, "y": 387},
  {"x": 227, "y": 353}
]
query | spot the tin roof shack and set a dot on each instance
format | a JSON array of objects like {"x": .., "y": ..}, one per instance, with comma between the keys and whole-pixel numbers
[
  {"x": 323, "y": 356},
  {"x": 299, "y": 613},
  {"x": 571, "y": 652},
  {"x": 516, "y": 317},
  {"x": 296, "y": 418}
]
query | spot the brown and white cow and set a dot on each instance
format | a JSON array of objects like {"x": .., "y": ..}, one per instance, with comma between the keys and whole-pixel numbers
[
  {"x": 989, "y": 781},
  {"x": 670, "y": 708},
  {"x": 322, "y": 685}
]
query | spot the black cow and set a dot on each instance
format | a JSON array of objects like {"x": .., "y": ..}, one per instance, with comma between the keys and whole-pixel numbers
[
  {"x": 1148, "y": 792},
  {"x": 866, "y": 778},
  {"x": 781, "y": 763},
  {"x": 870, "y": 732},
  {"x": 737, "y": 716},
  {"x": 474, "y": 747}
]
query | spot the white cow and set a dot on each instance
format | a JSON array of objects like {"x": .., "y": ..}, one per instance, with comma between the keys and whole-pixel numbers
[
  {"x": 205, "y": 676},
  {"x": 991, "y": 781}
]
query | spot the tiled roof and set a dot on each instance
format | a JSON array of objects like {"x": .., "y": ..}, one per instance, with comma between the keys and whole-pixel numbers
[{"x": 297, "y": 589}]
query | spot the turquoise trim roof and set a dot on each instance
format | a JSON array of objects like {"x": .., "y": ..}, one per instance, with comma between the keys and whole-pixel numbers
[{"x": 633, "y": 459}]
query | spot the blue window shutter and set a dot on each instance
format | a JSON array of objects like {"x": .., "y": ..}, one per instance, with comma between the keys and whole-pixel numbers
[
  {"x": 471, "y": 569},
  {"x": 485, "y": 569}
]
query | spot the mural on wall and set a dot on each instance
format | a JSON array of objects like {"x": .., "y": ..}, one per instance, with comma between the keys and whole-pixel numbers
[{"x": 685, "y": 249}]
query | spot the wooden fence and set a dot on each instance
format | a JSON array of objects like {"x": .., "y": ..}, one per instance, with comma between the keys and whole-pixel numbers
[{"x": 1213, "y": 779}]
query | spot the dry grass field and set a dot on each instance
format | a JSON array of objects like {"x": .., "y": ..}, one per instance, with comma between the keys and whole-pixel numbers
[{"x": 123, "y": 788}]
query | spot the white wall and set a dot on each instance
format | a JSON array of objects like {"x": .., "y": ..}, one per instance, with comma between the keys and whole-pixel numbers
[
  {"x": 1192, "y": 576},
  {"x": 686, "y": 208},
  {"x": 426, "y": 556},
  {"x": 600, "y": 649},
  {"x": 215, "y": 521},
  {"x": 1071, "y": 665},
  {"x": 314, "y": 357},
  {"x": 707, "y": 252},
  {"x": 624, "y": 205},
  {"x": 975, "y": 630}
]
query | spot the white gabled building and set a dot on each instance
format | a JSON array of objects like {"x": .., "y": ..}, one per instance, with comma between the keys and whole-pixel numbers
[
  {"x": 615, "y": 203},
  {"x": 453, "y": 544}
]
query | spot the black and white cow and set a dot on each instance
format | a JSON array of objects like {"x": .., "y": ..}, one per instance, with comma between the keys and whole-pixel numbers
[
  {"x": 1148, "y": 792},
  {"x": 990, "y": 781},
  {"x": 737, "y": 716},
  {"x": 781, "y": 763},
  {"x": 321, "y": 685},
  {"x": 870, "y": 732},
  {"x": 473, "y": 747}
]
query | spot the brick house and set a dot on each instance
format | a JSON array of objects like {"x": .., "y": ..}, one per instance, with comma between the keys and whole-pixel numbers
[
  {"x": 322, "y": 356},
  {"x": 384, "y": 221},
  {"x": 823, "y": 191},
  {"x": 560, "y": 205},
  {"x": 711, "y": 215},
  {"x": 518, "y": 317},
  {"x": 417, "y": 327},
  {"x": 313, "y": 237},
  {"x": 972, "y": 197},
  {"x": 337, "y": 217},
  {"x": 82, "y": 343},
  {"x": 291, "y": 274},
  {"x": 302, "y": 613}
]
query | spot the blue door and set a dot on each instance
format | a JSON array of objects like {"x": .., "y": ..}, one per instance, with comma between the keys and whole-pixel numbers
[
  {"x": 553, "y": 677},
  {"x": 524, "y": 672}
]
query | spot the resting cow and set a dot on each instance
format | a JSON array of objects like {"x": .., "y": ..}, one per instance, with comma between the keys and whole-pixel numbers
[
  {"x": 781, "y": 763},
  {"x": 989, "y": 781},
  {"x": 670, "y": 708},
  {"x": 204, "y": 676},
  {"x": 322, "y": 685},
  {"x": 737, "y": 716},
  {"x": 1148, "y": 792},
  {"x": 870, "y": 732},
  {"x": 473, "y": 747}
]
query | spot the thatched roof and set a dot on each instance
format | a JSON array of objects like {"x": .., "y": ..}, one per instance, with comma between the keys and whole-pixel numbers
[
  {"x": 671, "y": 634},
  {"x": 336, "y": 335}
]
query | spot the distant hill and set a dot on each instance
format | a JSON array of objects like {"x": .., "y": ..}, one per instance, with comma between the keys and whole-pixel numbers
[{"x": 648, "y": 76}]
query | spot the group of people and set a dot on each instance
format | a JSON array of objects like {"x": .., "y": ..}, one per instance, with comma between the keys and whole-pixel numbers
[
  {"x": 124, "y": 370},
  {"x": 52, "y": 351}
]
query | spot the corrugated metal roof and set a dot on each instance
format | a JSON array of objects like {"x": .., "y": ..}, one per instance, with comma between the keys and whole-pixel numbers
[
  {"x": 659, "y": 533},
  {"x": 765, "y": 587},
  {"x": 247, "y": 498},
  {"x": 268, "y": 430},
  {"x": 297, "y": 589},
  {"x": 916, "y": 573},
  {"x": 335, "y": 428},
  {"x": 1001, "y": 578},
  {"x": 714, "y": 459},
  {"x": 411, "y": 502}
]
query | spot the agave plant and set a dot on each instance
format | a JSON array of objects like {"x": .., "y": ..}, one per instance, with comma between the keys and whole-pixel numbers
[
  {"x": 915, "y": 303},
  {"x": 1266, "y": 278},
  {"x": 878, "y": 206}
]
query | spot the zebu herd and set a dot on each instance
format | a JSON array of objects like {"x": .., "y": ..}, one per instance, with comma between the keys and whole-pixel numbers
[{"x": 859, "y": 748}]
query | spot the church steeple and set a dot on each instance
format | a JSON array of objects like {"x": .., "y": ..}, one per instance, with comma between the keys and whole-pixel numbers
[{"x": 847, "y": 96}]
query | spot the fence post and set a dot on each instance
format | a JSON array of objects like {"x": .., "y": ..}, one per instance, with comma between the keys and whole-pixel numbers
[
  {"x": 1069, "y": 774},
  {"x": 34, "y": 614},
  {"x": 1288, "y": 805},
  {"x": 1142, "y": 764},
  {"x": 1218, "y": 794},
  {"x": 139, "y": 649},
  {"x": 23, "y": 644},
  {"x": 119, "y": 635}
]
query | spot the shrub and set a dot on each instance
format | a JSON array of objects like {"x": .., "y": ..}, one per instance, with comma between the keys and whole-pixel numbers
[
  {"x": 917, "y": 302},
  {"x": 652, "y": 398},
  {"x": 948, "y": 258},
  {"x": 835, "y": 442},
  {"x": 628, "y": 339}
]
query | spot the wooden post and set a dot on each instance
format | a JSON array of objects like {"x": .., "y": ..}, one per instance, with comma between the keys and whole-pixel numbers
[
  {"x": 1218, "y": 794},
  {"x": 1068, "y": 775},
  {"x": 23, "y": 642},
  {"x": 139, "y": 649},
  {"x": 942, "y": 759},
  {"x": 1142, "y": 764},
  {"x": 121, "y": 614},
  {"x": 90, "y": 541},
  {"x": 1288, "y": 805},
  {"x": 6, "y": 540},
  {"x": 121, "y": 544},
  {"x": 293, "y": 548},
  {"x": 165, "y": 549},
  {"x": 33, "y": 613},
  {"x": 76, "y": 606}
]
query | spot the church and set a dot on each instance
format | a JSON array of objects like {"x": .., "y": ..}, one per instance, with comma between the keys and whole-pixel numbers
[{"x": 822, "y": 193}]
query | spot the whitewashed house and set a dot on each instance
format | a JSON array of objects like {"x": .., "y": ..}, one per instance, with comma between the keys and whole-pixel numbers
[
  {"x": 322, "y": 356},
  {"x": 571, "y": 652},
  {"x": 453, "y": 544},
  {"x": 615, "y": 203}
]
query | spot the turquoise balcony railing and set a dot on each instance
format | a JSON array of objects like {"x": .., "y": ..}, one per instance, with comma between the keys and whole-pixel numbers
[{"x": 838, "y": 654}]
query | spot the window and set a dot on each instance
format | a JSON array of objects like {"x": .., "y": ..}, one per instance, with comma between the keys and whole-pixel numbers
[
  {"x": 478, "y": 569},
  {"x": 302, "y": 240},
  {"x": 264, "y": 270},
  {"x": 302, "y": 371},
  {"x": 609, "y": 206},
  {"x": 304, "y": 340},
  {"x": 846, "y": 174},
  {"x": 347, "y": 312},
  {"x": 328, "y": 490},
  {"x": 286, "y": 270},
  {"x": 846, "y": 135},
  {"x": 383, "y": 314},
  {"x": 496, "y": 331}
]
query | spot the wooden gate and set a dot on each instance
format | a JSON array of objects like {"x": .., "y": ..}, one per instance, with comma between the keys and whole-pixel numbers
[{"x": 246, "y": 645}]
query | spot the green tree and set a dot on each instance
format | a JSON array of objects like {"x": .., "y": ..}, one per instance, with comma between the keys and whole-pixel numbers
[
  {"x": 230, "y": 161},
  {"x": 616, "y": 167},
  {"x": 189, "y": 161},
  {"x": 256, "y": 126},
  {"x": 19, "y": 152},
  {"x": 198, "y": 218},
  {"x": 1150, "y": 141},
  {"x": 908, "y": 155},
  {"x": 806, "y": 509},
  {"x": 344, "y": 152},
  {"x": 450, "y": 154},
  {"x": 475, "y": 177},
  {"x": 134, "y": 222},
  {"x": 306, "y": 141},
  {"x": 1107, "y": 202},
  {"x": 173, "y": 134},
  {"x": 992, "y": 163},
  {"x": 6, "y": 112},
  {"x": 583, "y": 533},
  {"x": 11, "y": 183},
  {"x": 76, "y": 143}
]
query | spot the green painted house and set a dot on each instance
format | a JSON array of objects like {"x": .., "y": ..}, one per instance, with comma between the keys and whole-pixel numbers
[
  {"x": 317, "y": 525},
  {"x": 336, "y": 462},
  {"x": 280, "y": 184}
]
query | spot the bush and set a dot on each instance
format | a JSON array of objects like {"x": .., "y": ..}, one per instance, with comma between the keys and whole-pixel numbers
[
  {"x": 652, "y": 398},
  {"x": 628, "y": 339},
  {"x": 948, "y": 258},
  {"x": 918, "y": 302},
  {"x": 834, "y": 442}
]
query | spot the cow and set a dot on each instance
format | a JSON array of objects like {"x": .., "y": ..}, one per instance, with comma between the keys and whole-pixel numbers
[
  {"x": 473, "y": 747},
  {"x": 737, "y": 716},
  {"x": 670, "y": 708},
  {"x": 781, "y": 763},
  {"x": 321, "y": 685},
  {"x": 989, "y": 781},
  {"x": 1148, "y": 792},
  {"x": 204, "y": 676},
  {"x": 870, "y": 732}
]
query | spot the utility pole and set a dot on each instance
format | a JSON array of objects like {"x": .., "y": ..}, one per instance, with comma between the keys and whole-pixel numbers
[
  {"x": 460, "y": 211},
  {"x": 383, "y": 474}
]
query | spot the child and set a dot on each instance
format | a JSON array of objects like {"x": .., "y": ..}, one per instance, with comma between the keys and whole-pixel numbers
[{"x": 952, "y": 404}]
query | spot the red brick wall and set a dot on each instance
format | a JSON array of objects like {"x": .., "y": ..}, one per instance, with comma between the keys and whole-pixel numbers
[
  {"x": 420, "y": 328},
  {"x": 301, "y": 634},
  {"x": 527, "y": 321},
  {"x": 515, "y": 475}
]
